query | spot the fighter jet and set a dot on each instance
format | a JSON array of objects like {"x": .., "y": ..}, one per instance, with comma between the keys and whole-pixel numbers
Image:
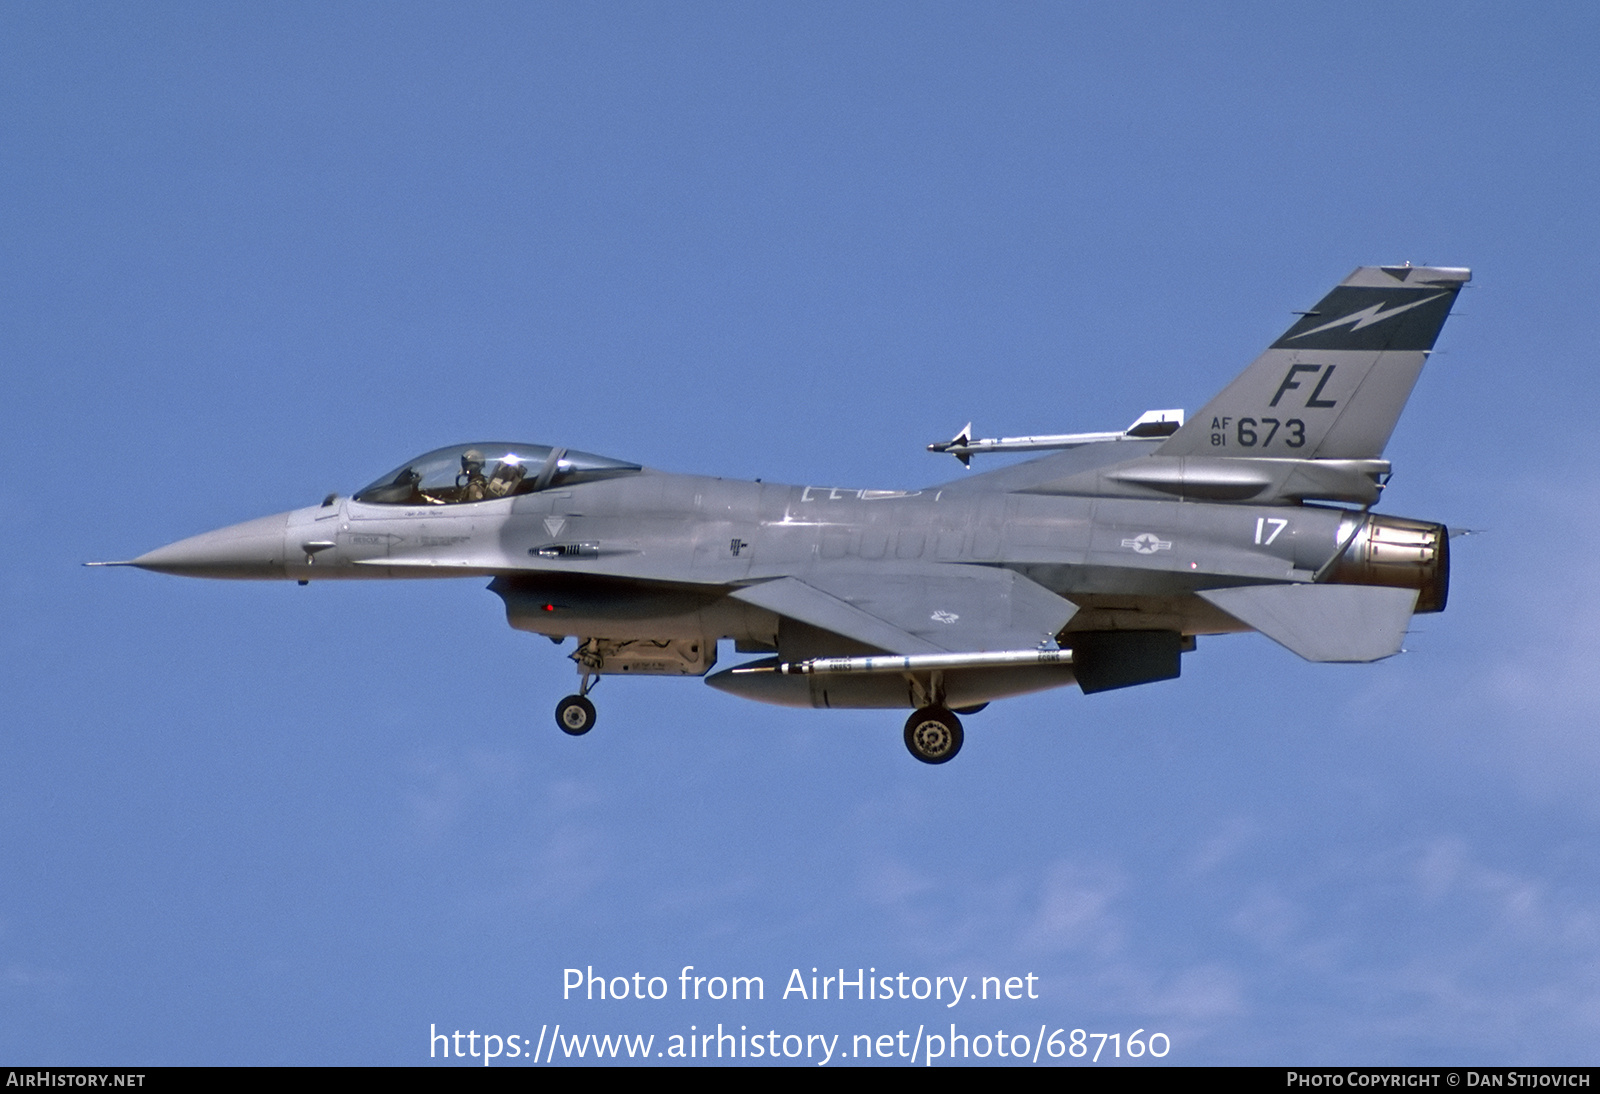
[{"x": 1099, "y": 563}]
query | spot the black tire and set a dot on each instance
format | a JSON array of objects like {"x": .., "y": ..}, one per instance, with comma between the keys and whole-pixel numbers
[
  {"x": 933, "y": 735},
  {"x": 575, "y": 715}
]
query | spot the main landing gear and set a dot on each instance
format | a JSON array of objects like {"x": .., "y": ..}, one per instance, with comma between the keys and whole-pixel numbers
[
  {"x": 575, "y": 714},
  {"x": 933, "y": 735}
]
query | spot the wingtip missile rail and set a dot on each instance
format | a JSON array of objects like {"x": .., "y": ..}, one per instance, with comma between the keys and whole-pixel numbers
[{"x": 1150, "y": 425}]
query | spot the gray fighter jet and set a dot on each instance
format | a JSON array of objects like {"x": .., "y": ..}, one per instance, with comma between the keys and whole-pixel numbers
[{"x": 1097, "y": 564}]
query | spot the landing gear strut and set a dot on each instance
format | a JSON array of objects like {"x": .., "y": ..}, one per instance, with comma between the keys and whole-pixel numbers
[
  {"x": 575, "y": 714},
  {"x": 933, "y": 735}
]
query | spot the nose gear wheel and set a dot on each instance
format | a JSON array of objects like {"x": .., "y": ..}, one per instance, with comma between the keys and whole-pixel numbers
[{"x": 575, "y": 715}]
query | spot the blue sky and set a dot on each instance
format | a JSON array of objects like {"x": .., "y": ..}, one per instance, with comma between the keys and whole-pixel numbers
[{"x": 253, "y": 255}]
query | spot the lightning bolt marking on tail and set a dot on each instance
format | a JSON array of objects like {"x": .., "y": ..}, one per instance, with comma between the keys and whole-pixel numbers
[{"x": 1366, "y": 317}]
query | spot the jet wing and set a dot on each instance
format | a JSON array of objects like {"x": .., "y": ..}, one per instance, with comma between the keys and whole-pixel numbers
[
  {"x": 1323, "y": 622},
  {"x": 927, "y": 609}
]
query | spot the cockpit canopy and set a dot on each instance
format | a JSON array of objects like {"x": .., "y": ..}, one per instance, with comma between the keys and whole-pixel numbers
[{"x": 488, "y": 470}]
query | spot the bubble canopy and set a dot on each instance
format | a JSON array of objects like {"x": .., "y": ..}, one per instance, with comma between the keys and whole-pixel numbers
[{"x": 485, "y": 471}]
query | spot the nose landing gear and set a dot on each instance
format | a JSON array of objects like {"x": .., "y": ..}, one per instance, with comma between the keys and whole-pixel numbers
[{"x": 575, "y": 714}]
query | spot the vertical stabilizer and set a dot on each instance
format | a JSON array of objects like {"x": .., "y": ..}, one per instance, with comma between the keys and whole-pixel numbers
[{"x": 1334, "y": 385}]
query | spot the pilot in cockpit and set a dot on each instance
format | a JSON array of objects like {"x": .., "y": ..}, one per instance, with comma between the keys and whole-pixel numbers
[
  {"x": 471, "y": 484},
  {"x": 464, "y": 474}
]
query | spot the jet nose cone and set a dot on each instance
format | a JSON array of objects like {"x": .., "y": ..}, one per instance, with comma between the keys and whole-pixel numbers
[{"x": 253, "y": 549}]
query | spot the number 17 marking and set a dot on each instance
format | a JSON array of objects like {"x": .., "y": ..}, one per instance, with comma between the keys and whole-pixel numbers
[{"x": 1265, "y": 536}]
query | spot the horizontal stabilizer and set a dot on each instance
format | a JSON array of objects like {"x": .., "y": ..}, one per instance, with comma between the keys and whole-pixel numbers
[{"x": 1323, "y": 622}]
